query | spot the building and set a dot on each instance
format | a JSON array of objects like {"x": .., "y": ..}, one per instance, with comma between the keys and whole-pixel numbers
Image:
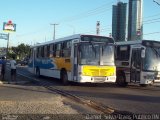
[
  {"x": 119, "y": 19},
  {"x": 135, "y": 26}
]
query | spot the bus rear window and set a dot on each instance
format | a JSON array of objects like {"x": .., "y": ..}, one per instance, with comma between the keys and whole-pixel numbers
[{"x": 122, "y": 53}]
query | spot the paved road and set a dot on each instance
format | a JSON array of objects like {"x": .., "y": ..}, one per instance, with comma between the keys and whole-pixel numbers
[
  {"x": 27, "y": 97},
  {"x": 132, "y": 98}
]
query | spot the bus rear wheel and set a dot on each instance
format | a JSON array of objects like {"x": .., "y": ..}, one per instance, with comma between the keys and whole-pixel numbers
[
  {"x": 121, "y": 81},
  {"x": 64, "y": 77}
]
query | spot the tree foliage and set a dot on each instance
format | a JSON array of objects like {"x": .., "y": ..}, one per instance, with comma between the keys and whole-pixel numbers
[{"x": 20, "y": 52}]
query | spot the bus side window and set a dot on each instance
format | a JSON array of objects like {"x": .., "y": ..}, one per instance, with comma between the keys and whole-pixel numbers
[
  {"x": 51, "y": 50},
  {"x": 58, "y": 49},
  {"x": 67, "y": 49},
  {"x": 48, "y": 50},
  {"x": 45, "y": 51},
  {"x": 39, "y": 52},
  {"x": 54, "y": 50},
  {"x": 42, "y": 51},
  {"x": 62, "y": 49}
]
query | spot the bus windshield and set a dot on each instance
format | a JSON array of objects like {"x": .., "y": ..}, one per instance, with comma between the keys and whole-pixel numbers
[
  {"x": 107, "y": 55},
  {"x": 152, "y": 59},
  {"x": 96, "y": 54}
]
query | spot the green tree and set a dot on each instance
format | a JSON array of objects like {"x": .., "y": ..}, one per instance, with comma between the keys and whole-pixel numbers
[
  {"x": 23, "y": 50},
  {"x": 20, "y": 52}
]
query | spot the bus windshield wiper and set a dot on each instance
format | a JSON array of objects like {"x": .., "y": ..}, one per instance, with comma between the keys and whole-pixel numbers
[
  {"x": 156, "y": 52},
  {"x": 93, "y": 48}
]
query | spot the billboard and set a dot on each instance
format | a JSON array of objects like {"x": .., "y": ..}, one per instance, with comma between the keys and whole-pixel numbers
[
  {"x": 4, "y": 36},
  {"x": 9, "y": 26}
]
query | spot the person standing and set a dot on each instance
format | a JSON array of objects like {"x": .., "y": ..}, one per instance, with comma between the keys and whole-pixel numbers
[
  {"x": 13, "y": 69},
  {"x": 3, "y": 67}
]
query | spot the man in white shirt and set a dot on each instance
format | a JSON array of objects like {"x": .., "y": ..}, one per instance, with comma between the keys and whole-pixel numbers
[{"x": 13, "y": 69}]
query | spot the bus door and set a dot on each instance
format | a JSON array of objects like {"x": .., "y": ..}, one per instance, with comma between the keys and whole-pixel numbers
[
  {"x": 75, "y": 63},
  {"x": 33, "y": 59},
  {"x": 135, "y": 65}
]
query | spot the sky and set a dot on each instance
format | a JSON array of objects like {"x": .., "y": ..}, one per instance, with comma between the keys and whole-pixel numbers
[{"x": 33, "y": 19}]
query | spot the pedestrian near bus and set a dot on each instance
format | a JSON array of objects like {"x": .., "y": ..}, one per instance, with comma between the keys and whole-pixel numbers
[
  {"x": 3, "y": 69},
  {"x": 13, "y": 69}
]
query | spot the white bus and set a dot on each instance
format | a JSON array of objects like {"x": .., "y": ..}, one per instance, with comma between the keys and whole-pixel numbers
[
  {"x": 78, "y": 58},
  {"x": 138, "y": 62}
]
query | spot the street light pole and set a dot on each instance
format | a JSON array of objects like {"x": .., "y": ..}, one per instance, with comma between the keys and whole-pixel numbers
[
  {"x": 7, "y": 47},
  {"x": 54, "y": 31}
]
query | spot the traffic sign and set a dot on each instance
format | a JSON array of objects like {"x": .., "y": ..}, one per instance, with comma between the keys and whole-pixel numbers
[{"x": 4, "y": 36}]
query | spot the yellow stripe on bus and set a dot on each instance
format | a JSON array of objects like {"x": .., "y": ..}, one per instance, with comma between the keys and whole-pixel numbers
[
  {"x": 63, "y": 63},
  {"x": 98, "y": 70}
]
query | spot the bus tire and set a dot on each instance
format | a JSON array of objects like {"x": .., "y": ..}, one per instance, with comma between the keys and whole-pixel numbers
[
  {"x": 121, "y": 80},
  {"x": 64, "y": 77},
  {"x": 37, "y": 72},
  {"x": 143, "y": 85}
]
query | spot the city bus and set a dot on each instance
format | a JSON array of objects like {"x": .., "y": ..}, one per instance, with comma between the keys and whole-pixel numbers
[
  {"x": 78, "y": 58},
  {"x": 137, "y": 62}
]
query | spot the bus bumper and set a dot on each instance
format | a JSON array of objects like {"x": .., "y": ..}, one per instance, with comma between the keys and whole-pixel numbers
[{"x": 91, "y": 79}]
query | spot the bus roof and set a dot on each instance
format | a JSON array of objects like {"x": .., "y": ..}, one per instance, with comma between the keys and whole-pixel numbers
[
  {"x": 134, "y": 42},
  {"x": 76, "y": 36}
]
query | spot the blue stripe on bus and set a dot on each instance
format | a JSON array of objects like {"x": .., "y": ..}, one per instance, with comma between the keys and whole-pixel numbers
[{"x": 43, "y": 63}]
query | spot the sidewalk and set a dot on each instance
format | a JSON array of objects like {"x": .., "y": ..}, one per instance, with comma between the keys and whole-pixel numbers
[
  {"x": 24, "y": 99},
  {"x": 7, "y": 78}
]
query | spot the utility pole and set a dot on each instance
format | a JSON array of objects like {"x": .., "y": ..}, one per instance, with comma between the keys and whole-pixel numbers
[
  {"x": 98, "y": 28},
  {"x": 54, "y": 31},
  {"x": 7, "y": 50}
]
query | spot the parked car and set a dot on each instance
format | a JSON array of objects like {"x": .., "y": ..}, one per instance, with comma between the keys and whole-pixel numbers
[{"x": 23, "y": 62}]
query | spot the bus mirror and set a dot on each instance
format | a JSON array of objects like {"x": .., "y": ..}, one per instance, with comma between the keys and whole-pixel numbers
[{"x": 143, "y": 53}]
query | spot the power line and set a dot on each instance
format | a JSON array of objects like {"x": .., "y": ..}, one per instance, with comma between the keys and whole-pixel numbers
[
  {"x": 85, "y": 15},
  {"x": 156, "y": 2},
  {"x": 152, "y": 33},
  {"x": 153, "y": 15},
  {"x": 152, "y": 22},
  {"x": 152, "y": 19},
  {"x": 92, "y": 12},
  {"x": 99, "y": 10}
]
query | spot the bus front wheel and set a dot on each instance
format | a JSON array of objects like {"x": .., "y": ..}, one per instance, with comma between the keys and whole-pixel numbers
[{"x": 64, "y": 77}]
